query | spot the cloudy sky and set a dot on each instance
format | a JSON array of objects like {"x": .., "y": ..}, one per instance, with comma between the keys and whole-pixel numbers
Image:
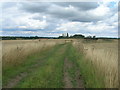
[{"x": 55, "y": 18}]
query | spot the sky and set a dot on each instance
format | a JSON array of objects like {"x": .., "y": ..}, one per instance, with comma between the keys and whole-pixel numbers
[{"x": 51, "y": 19}]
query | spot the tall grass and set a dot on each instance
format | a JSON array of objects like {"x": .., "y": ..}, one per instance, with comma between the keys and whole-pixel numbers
[
  {"x": 15, "y": 51},
  {"x": 104, "y": 58}
]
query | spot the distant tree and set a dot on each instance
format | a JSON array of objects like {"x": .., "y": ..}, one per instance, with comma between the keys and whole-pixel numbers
[
  {"x": 78, "y": 36},
  {"x": 36, "y": 37},
  {"x": 94, "y": 37},
  {"x": 60, "y": 37},
  {"x": 89, "y": 37}
]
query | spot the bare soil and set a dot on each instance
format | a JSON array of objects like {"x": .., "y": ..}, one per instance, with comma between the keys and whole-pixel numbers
[
  {"x": 68, "y": 80},
  {"x": 14, "y": 81}
]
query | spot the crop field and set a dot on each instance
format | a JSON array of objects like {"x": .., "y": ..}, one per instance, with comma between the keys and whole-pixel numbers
[{"x": 59, "y": 63}]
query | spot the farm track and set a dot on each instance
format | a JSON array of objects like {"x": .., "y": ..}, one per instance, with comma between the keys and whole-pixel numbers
[{"x": 69, "y": 80}]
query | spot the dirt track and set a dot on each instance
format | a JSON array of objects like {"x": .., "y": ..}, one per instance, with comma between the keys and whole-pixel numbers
[{"x": 68, "y": 80}]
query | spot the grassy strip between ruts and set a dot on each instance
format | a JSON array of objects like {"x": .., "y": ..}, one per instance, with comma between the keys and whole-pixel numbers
[
  {"x": 49, "y": 75},
  {"x": 72, "y": 65},
  {"x": 10, "y": 72}
]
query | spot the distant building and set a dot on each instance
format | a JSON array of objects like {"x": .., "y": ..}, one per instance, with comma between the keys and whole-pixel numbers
[{"x": 65, "y": 35}]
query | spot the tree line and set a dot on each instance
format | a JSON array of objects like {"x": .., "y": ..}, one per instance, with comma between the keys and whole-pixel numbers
[{"x": 75, "y": 36}]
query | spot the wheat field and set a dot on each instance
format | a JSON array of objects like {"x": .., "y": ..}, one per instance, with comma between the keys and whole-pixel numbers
[
  {"x": 14, "y": 51},
  {"x": 104, "y": 55}
]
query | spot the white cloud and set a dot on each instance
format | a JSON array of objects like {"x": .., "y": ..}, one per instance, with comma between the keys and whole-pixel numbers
[
  {"x": 99, "y": 27},
  {"x": 70, "y": 26},
  {"x": 95, "y": 19},
  {"x": 31, "y": 23},
  {"x": 21, "y": 20},
  {"x": 101, "y": 11}
]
